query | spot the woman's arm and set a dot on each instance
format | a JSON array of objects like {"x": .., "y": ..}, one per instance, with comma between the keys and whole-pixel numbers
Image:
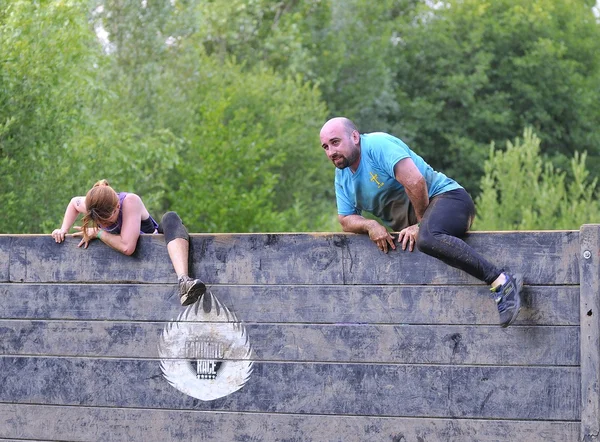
[
  {"x": 74, "y": 208},
  {"x": 133, "y": 210}
]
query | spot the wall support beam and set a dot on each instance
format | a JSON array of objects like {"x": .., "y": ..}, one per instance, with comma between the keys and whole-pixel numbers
[{"x": 589, "y": 308}]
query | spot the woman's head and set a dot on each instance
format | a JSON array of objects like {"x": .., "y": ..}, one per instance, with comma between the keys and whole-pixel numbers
[{"x": 102, "y": 204}]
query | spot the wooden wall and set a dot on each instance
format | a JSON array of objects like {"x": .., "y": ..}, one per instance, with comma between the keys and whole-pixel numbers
[{"x": 346, "y": 343}]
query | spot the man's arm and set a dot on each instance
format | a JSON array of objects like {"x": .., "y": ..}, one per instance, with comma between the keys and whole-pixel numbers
[
  {"x": 407, "y": 174},
  {"x": 359, "y": 224}
]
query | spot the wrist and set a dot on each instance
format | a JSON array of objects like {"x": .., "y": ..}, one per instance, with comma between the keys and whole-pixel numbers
[
  {"x": 98, "y": 234},
  {"x": 371, "y": 224}
]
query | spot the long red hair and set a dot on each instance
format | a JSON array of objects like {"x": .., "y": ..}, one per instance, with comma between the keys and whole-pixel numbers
[{"x": 100, "y": 202}]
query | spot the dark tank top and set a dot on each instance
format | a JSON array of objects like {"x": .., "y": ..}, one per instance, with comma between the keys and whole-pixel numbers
[{"x": 148, "y": 225}]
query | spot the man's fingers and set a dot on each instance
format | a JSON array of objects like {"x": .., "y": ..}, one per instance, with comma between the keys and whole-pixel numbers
[
  {"x": 405, "y": 241},
  {"x": 383, "y": 246},
  {"x": 390, "y": 241}
]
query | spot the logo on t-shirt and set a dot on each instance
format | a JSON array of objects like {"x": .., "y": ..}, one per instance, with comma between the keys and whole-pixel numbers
[{"x": 374, "y": 178}]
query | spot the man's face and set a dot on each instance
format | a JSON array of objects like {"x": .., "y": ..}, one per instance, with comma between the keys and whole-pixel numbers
[{"x": 341, "y": 147}]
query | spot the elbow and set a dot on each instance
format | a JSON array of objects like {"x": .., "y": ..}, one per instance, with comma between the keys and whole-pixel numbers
[
  {"x": 343, "y": 223},
  {"x": 345, "y": 228},
  {"x": 416, "y": 183},
  {"x": 128, "y": 250}
]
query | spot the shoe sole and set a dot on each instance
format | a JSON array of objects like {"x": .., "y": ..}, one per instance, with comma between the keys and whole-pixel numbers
[
  {"x": 193, "y": 294},
  {"x": 519, "y": 279}
]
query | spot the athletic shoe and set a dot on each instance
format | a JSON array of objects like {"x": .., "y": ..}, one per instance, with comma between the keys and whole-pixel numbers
[
  {"x": 508, "y": 299},
  {"x": 190, "y": 290}
]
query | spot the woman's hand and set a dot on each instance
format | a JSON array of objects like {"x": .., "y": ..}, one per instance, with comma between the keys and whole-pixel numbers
[
  {"x": 408, "y": 236},
  {"x": 92, "y": 232},
  {"x": 59, "y": 235}
]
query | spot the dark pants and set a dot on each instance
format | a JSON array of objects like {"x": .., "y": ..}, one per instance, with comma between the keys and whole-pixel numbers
[
  {"x": 447, "y": 220},
  {"x": 172, "y": 227}
]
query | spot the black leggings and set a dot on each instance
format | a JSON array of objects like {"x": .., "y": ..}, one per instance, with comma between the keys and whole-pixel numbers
[
  {"x": 447, "y": 220},
  {"x": 172, "y": 227}
]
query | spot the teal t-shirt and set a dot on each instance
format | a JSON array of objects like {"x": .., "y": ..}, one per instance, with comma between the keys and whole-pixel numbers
[{"x": 374, "y": 188}]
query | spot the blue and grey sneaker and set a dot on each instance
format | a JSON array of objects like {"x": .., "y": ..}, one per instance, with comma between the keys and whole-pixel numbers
[{"x": 508, "y": 299}]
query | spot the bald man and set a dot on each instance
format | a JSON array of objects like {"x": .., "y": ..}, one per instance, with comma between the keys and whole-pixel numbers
[{"x": 380, "y": 174}]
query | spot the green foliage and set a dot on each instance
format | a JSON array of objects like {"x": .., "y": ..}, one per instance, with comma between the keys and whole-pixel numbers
[
  {"x": 212, "y": 108},
  {"x": 342, "y": 46},
  {"x": 45, "y": 70},
  {"x": 251, "y": 160},
  {"x": 478, "y": 71},
  {"x": 521, "y": 191}
]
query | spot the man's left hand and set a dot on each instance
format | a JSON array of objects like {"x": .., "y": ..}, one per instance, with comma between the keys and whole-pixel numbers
[{"x": 408, "y": 237}]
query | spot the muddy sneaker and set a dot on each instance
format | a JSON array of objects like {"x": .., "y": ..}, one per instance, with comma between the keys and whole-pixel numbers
[
  {"x": 508, "y": 299},
  {"x": 190, "y": 290}
]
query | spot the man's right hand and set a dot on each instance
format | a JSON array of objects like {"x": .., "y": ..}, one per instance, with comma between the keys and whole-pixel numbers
[{"x": 381, "y": 237}]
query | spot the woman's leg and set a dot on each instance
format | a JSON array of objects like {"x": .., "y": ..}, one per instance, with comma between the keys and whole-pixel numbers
[{"x": 178, "y": 246}]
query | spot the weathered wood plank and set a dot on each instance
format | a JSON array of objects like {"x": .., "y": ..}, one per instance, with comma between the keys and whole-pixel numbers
[
  {"x": 590, "y": 332},
  {"x": 5, "y": 241},
  {"x": 409, "y": 344},
  {"x": 333, "y": 389},
  {"x": 543, "y": 258},
  {"x": 38, "y": 258},
  {"x": 109, "y": 424},
  {"x": 543, "y": 305},
  {"x": 260, "y": 258}
]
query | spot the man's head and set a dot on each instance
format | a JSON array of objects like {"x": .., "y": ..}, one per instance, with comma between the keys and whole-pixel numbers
[{"x": 341, "y": 141}]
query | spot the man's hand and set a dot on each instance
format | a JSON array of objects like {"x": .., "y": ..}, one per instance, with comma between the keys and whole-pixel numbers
[
  {"x": 92, "y": 232},
  {"x": 408, "y": 236},
  {"x": 380, "y": 236},
  {"x": 59, "y": 235}
]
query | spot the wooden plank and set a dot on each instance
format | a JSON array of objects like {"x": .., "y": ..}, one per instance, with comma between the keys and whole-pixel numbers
[
  {"x": 272, "y": 259},
  {"x": 269, "y": 258},
  {"x": 590, "y": 332},
  {"x": 5, "y": 247},
  {"x": 523, "y": 393},
  {"x": 409, "y": 344},
  {"x": 242, "y": 259},
  {"x": 85, "y": 423},
  {"x": 38, "y": 258},
  {"x": 543, "y": 305},
  {"x": 542, "y": 257}
]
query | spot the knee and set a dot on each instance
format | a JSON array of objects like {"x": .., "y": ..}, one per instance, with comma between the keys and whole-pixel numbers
[
  {"x": 426, "y": 241},
  {"x": 172, "y": 227},
  {"x": 170, "y": 219}
]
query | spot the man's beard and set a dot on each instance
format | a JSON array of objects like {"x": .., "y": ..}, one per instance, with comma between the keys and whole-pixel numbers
[
  {"x": 345, "y": 161},
  {"x": 341, "y": 165}
]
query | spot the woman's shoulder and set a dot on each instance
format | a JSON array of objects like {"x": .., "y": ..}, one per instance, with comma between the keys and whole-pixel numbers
[{"x": 130, "y": 199}]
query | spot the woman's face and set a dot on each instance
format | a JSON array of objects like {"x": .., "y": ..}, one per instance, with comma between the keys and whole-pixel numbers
[{"x": 110, "y": 220}]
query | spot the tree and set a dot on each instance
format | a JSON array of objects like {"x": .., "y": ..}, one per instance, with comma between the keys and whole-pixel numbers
[
  {"x": 231, "y": 145},
  {"x": 251, "y": 159},
  {"x": 478, "y": 71},
  {"x": 46, "y": 62},
  {"x": 522, "y": 191}
]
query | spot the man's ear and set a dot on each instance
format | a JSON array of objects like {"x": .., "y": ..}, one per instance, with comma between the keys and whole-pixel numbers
[{"x": 355, "y": 136}]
